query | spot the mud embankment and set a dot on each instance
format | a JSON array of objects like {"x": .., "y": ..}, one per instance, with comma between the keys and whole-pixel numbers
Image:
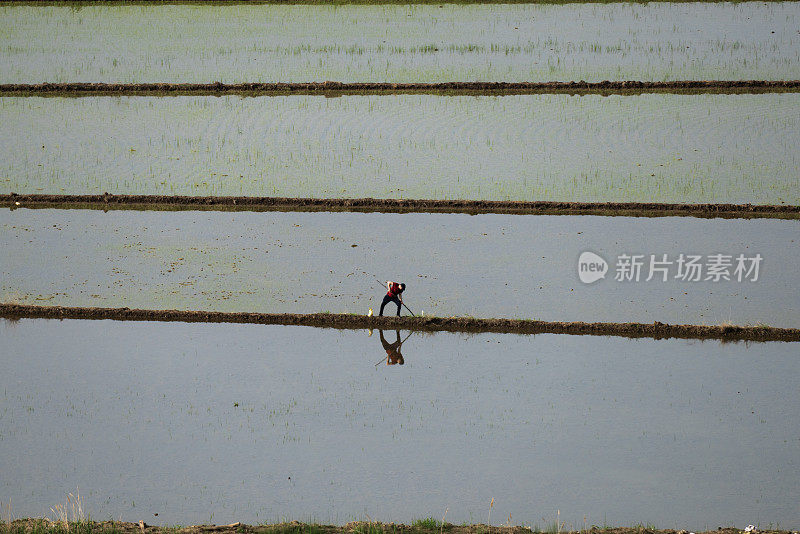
[
  {"x": 78, "y": 89},
  {"x": 655, "y": 330},
  {"x": 628, "y": 209},
  {"x": 327, "y": 2},
  {"x": 33, "y": 526}
]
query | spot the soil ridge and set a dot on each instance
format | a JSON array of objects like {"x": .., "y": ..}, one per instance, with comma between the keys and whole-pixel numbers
[
  {"x": 333, "y": 88},
  {"x": 108, "y": 201},
  {"x": 655, "y": 330}
]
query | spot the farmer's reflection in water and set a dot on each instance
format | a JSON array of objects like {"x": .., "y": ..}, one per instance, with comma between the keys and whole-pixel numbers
[{"x": 393, "y": 354}]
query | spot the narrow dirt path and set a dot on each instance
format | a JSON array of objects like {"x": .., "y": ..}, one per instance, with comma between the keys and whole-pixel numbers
[
  {"x": 655, "y": 330},
  {"x": 628, "y": 209},
  {"x": 78, "y": 89}
]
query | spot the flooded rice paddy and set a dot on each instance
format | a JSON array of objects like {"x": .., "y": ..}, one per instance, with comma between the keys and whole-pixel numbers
[
  {"x": 642, "y": 148},
  {"x": 399, "y": 43},
  {"x": 223, "y": 423},
  {"x": 485, "y": 266},
  {"x": 189, "y": 423}
]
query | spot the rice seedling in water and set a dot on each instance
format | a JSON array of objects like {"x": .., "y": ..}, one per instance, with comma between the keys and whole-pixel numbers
[
  {"x": 648, "y": 148},
  {"x": 299, "y": 43},
  {"x": 230, "y": 260}
]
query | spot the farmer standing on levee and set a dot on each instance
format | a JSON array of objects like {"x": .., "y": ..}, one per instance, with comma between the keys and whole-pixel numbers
[{"x": 394, "y": 294}]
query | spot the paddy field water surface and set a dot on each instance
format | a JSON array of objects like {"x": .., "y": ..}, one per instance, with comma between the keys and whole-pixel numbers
[
  {"x": 637, "y": 148},
  {"x": 399, "y": 43},
  {"x": 190, "y": 423},
  {"x": 486, "y": 266},
  {"x": 221, "y": 423}
]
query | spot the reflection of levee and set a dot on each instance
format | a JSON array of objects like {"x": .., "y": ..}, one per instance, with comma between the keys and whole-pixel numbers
[
  {"x": 655, "y": 330},
  {"x": 333, "y": 89},
  {"x": 396, "y": 205}
]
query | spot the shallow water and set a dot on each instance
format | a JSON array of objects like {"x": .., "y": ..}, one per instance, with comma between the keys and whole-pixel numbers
[
  {"x": 643, "y": 148},
  {"x": 400, "y": 43},
  {"x": 223, "y": 423},
  {"x": 484, "y": 265}
]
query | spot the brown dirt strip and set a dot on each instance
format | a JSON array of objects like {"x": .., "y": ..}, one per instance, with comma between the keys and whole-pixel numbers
[
  {"x": 655, "y": 330},
  {"x": 29, "y": 526},
  {"x": 338, "y": 89},
  {"x": 628, "y": 209},
  {"x": 25, "y": 526},
  {"x": 334, "y": 2}
]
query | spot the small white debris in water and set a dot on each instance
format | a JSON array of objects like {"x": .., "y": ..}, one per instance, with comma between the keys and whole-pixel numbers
[
  {"x": 750, "y": 528},
  {"x": 16, "y": 203}
]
